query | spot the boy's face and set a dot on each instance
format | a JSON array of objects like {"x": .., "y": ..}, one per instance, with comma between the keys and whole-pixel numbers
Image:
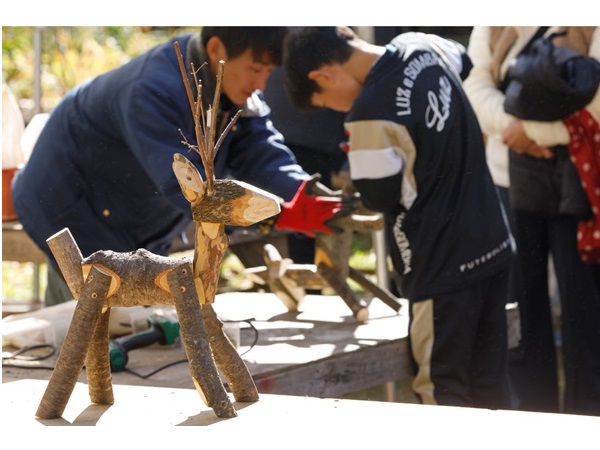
[
  {"x": 338, "y": 89},
  {"x": 242, "y": 75}
]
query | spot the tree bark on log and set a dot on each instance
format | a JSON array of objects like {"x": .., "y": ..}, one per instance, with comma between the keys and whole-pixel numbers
[
  {"x": 138, "y": 277},
  {"x": 97, "y": 363},
  {"x": 228, "y": 360},
  {"x": 235, "y": 203},
  {"x": 196, "y": 343},
  {"x": 68, "y": 256},
  {"x": 74, "y": 350},
  {"x": 210, "y": 245}
]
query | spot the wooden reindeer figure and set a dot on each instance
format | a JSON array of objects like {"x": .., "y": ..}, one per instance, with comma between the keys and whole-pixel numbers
[
  {"x": 106, "y": 279},
  {"x": 288, "y": 280}
]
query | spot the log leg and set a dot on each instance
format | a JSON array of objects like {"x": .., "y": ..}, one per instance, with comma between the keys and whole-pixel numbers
[
  {"x": 97, "y": 364},
  {"x": 72, "y": 355},
  {"x": 68, "y": 257},
  {"x": 382, "y": 294},
  {"x": 196, "y": 343},
  {"x": 286, "y": 290},
  {"x": 334, "y": 279},
  {"x": 228, "y": 360}
]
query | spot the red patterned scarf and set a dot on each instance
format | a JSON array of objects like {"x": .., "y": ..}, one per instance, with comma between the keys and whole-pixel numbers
[{"x": 584, "y": 149}]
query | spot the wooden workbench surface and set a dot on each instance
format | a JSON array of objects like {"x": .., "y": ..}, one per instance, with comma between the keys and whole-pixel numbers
[
  {"x": 140, "y": 415},
  {"x": 320, "y": 351}
]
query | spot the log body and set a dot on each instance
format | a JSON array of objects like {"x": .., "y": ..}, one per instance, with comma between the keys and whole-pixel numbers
[{"x": 139, "y": 277}]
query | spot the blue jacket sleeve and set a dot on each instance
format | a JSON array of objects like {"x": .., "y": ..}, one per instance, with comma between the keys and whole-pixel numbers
[
  {"x": 258, "y": 155},
  {"x": 154, "y": 114}
]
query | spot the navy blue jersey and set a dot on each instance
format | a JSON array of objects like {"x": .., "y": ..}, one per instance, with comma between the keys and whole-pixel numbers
[{"x": 417, "y": 155}]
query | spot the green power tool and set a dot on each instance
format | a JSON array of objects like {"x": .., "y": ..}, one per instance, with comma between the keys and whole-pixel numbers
[{"x": 161, "y": 330}]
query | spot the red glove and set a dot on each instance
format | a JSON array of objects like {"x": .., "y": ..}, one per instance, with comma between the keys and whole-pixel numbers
[{"x": 306, "y": 213}]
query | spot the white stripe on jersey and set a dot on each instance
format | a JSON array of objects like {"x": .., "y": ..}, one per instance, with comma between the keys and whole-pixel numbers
[{"x": 374, "y": 164}]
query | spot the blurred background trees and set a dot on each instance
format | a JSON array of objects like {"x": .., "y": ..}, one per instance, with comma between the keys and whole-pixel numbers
[{"x": 40, "y": 64}]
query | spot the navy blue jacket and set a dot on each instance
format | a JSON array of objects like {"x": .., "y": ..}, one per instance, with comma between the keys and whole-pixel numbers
[{"x": 103, "y": 163}]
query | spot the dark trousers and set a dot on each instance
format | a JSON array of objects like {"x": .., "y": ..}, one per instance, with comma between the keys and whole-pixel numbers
[
  {"x": 515, "y": 288},
  {"x": 537, "y": 381},
  {"x": 514, "y": 277},
  {"x": 459, "y": 344},
  {"x": 57, "y": 290}
]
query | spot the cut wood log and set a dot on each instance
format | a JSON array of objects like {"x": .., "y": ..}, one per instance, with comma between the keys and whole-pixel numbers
[
  {"x": 68, "y": 257},
  {"x": 137, "y": 278},
  {"x": 75, "y": 347},
  {"x": 210, "y": 246},
  {"x": 380, "y": 292},
  {"x": 288, "y": 291},
  {"x": 228, "y": 360},
  {"x": 333, "y": 277},
  {"x": 97, "y": 363},
  {"x": 196, "y": 343}
]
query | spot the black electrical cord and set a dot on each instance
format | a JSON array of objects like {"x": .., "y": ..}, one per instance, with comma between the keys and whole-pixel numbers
[
  {"x": 20, "y": 355},
  {"x": 249, "y": 322},
  {"x": 154, "y": 372}
]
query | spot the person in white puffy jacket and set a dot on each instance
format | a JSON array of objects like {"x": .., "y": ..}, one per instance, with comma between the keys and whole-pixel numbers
[{"x": 530, "y": 164}]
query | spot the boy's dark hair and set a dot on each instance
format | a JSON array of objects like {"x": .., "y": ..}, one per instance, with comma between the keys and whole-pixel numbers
[
  {"x": 266, "y": 42},
  {"x": 306, "y": 50}
]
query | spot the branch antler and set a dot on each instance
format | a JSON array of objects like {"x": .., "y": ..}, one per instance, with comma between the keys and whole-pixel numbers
[{"x": 205, "y": 124}]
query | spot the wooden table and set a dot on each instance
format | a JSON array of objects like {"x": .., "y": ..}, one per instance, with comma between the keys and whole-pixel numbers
[
  {"x": 319, "y": 351},
  {"x": 154, "y": 417}
]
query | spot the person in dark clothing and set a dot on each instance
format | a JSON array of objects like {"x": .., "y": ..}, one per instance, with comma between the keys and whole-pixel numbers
[
  {"x": 317, "y": 139},
  {"x": 102, "y": 165},
  {"x": 556, "y": 366},
  {"x": 416, "y": 154}
]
